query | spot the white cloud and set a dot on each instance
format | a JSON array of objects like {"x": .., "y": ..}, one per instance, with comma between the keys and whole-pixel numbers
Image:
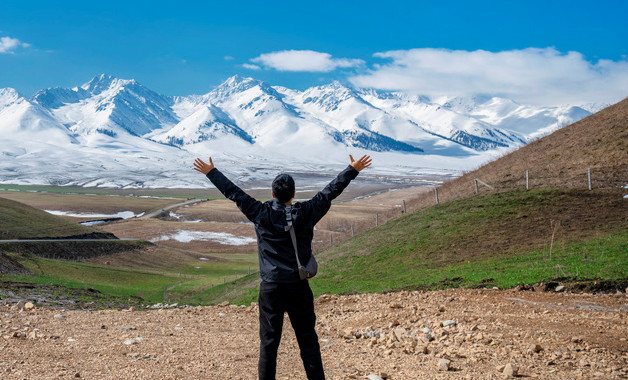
[
  {"x": 8, "y": 44},
  {"x": 536, "y": 76},
  {"x": 304, "y": 60},
  {"x": 250, "y": 66},
  {"x": 228, "y": 58}
]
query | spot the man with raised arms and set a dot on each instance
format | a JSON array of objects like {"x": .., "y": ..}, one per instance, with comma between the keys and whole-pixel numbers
[{"x": 282, "y": 289}]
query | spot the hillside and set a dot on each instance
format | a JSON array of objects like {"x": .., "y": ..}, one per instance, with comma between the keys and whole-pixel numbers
[
  {"x": 560, "y": 160},
  {"x": 19, "y": 221},
  {"x": 510, "y": 228}
]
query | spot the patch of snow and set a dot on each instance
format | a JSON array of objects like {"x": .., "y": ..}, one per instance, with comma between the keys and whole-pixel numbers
[
  {"x": 203, "y": 258},
  {"x": 121, "y": 214},
  {"x": 186, "y": 236}
]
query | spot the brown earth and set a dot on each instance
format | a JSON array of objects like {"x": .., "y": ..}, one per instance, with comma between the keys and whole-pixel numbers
[{"x": 578, "y": 335}]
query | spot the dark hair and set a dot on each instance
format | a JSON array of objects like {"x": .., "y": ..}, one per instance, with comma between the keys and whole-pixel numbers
[{"x": 283, "y": 187}]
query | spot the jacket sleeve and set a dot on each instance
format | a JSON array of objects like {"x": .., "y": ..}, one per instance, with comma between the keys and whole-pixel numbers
[
  {"x": 321, "y": 202},
  {"x": 247, "y": 204}
]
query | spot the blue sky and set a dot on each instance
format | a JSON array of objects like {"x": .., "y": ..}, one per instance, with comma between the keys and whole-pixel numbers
[{"x": 180, "y": 48}]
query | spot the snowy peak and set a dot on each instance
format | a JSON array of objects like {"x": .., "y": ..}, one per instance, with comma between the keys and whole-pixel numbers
[
  {"x": 207, "y": 123},
  {"x": 234, "y": 85},
  {"x": 8, "y": 96},
  {"x": 331, "y": 97},
  {"x": 109, "y": 105},
  {"x": 104, "y": 82}
]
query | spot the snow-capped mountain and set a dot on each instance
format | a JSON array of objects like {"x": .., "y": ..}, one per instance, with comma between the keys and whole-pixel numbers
[
  {"x": 117, "y": 132},
  {"x": 108, "y": 105}
]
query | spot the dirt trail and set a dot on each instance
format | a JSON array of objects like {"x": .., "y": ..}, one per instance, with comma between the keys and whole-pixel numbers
[{"x": 547, "y": 335}]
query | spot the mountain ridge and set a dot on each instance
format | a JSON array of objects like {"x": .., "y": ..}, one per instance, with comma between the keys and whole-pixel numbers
[{"x": 108, "y": 126}]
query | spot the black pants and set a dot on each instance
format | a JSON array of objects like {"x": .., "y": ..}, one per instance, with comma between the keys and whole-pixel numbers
[{"x": 297, "y": 300}]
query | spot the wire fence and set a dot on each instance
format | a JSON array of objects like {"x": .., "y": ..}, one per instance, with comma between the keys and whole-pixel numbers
[{"x": 613, "y": 179}]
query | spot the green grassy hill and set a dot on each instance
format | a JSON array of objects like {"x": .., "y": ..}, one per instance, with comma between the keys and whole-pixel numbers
[
  {"x": 19, "y": 221},
  {"x": 500, "y": 240}
]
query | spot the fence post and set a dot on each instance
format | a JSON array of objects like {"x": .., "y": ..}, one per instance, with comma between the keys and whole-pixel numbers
[
  {"x": 352, "y": 230},
  {"x": 331, "y": 240},
  {"x": 476, "y": 185},
  {"x": 527, "y": 180},
  {"x": 589, "y": 175},
  {"x": 166, "y": 293},
  {"x": 404, "y": 206},
  {"x": 236, "y": 275},
  {"x": 376, "y": 220},
  {"x": 436, "y": 193}
]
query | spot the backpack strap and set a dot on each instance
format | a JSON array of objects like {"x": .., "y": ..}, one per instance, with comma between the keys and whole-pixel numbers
[{"x": 290, "y": 227}]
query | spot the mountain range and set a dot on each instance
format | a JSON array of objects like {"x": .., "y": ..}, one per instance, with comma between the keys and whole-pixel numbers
[{"x": 118, "y": 132}]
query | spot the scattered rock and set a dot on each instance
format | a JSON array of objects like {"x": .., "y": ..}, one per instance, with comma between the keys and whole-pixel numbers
[
  {"x": 525, "y": 287},
  {"x": 59, "y": 316},
  {"x": 441, "y": 309},
  {"x": 225, "y": 303},
  {"x": 559, "y": 288},
  {"x": 536, "y": 348},
  {"x": 448, "y": 322},
  {"x": 29, "y": 306},
  {"x": 130, "y": 342},
  {"x": 426, "y": 338},
  {"x": 443, "y": 364},
  {"x": 19, "y": 305},
  {"x": 395, "y": 305},
  {"x": 348, "y": 334},
  {"x": 374, "y": 377},
  {"x": 129, "y": 328},
  {"x": 511, "y": 369}
]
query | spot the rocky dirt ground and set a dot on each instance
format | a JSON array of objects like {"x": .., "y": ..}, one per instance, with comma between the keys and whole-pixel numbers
[{"x": 467, "y": 334}]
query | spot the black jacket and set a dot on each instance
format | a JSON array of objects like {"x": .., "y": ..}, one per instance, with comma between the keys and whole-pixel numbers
[{"x": 276, "y": 254}]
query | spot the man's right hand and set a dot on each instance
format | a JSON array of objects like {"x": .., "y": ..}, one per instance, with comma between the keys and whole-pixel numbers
[
  {"x": 363, "y": 162},
  {"x": 202, "y": 166}
]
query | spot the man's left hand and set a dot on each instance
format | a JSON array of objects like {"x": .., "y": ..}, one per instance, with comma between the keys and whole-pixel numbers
[{"x": 202, "y": 166}]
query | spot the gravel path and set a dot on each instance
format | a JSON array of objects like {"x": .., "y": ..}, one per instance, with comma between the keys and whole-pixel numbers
[{"x": 472, "y": 334}]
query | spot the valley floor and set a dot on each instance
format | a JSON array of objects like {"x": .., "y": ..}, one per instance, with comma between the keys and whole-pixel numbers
[{"x": 548, "y": 336}]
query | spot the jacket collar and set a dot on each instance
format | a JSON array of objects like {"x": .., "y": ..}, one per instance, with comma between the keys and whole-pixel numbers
[{"x": 277, "y": 205}]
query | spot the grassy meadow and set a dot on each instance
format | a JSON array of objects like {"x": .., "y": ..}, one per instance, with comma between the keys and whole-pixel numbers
[
  {"x": 502, "y": 240},
  {"x": 183, "y": 281}
]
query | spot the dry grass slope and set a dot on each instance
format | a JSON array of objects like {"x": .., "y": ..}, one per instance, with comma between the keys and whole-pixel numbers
[{"x": 557, "y": 161}]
